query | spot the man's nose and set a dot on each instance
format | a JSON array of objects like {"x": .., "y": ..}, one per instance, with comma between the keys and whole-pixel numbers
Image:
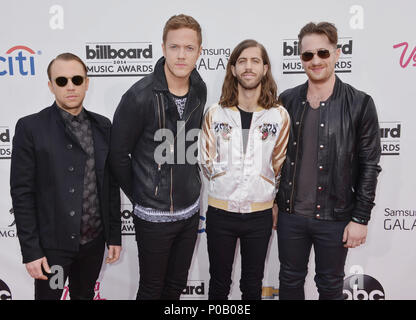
[{"x": 181, "y": 53}]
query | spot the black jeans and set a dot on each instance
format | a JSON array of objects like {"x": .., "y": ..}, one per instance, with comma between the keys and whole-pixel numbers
[
  {"x": 223, "y": 229},
  {"x": 165, "y": 255},
  {"x": 82, "y": 268},
  {"x": 295, "y": 235}
]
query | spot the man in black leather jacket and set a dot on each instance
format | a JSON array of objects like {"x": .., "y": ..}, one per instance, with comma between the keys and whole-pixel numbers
[
  {"x": 330, "y": 174},
  {"x": 153, "y": 145}
]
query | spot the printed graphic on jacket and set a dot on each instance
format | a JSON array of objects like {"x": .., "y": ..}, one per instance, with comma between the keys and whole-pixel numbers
[
  {"x": 268, "y": 129},
  {"x": 223, "y": 129}
]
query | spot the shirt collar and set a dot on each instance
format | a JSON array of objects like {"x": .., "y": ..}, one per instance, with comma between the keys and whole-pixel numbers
[{"x": 82, "y": 116}]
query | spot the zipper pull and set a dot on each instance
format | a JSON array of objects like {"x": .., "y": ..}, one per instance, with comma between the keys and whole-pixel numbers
[{"x": 158, "y": 179}]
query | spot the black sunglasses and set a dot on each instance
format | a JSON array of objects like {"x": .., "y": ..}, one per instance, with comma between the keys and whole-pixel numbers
[
  {"x": 308, "y": 55},
  {"x": 76, "y": 80}
]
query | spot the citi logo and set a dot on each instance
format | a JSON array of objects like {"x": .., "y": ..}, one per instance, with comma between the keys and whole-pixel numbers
[
  {"x": 19, "y": 60},
  {"x": 405, "y": 57},
  {"x": 108, "y": 52}
]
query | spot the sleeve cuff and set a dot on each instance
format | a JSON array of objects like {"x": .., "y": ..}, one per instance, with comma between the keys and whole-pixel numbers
[{"x": 359, "y": 220}]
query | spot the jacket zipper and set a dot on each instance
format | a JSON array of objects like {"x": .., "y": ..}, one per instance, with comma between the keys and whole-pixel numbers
[
  {"x": 172, "y": 147},
  {"x": 171, "y": 190},
  {"x": 160, "y": 126},
  {"x": 296, "y": 158}
]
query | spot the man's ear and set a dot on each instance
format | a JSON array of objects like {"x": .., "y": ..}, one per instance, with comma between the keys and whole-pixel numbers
[
  {"x": 266, "y": 68},
  {"x": 233, "y": 70},
  {"x": 51, "y": 87},
  {"x": 164, "y": 49}
]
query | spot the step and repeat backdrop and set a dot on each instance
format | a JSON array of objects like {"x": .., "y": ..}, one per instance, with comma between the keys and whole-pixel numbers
[{"x": 378, "y": 47}]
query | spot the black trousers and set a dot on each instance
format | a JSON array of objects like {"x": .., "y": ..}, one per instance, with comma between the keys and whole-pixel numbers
[
  {"x": 295, "y": 235},
  {"x": 165, "y": 255},
  {"x": 223, "y": 229},
  {"x": 82, "y": 268}
]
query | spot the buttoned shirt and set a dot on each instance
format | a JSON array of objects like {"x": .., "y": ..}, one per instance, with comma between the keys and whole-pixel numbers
[{"x": 80, "y": 127}]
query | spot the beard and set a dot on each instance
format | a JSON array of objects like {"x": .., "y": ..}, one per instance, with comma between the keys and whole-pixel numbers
[{"x": 251, "y": 86}]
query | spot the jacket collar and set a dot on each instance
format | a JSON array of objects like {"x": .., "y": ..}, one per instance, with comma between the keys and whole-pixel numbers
[
  {"x": 335, "y": 93},
  {"x": 93, "y": 117}
]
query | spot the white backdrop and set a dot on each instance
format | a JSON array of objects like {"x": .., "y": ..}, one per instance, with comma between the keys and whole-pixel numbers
[{"x": 379, "y": 57}]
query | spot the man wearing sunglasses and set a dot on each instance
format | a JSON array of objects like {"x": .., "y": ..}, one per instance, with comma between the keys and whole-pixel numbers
[
  {"x": 65, "y": 201},
  {"x": 329, "y": 178}
]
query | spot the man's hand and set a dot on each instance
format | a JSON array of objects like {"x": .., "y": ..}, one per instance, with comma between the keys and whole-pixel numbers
[
  {"x": 34, "y": 268},
  {"x": 113, "y": 254},
  {"x": 275, "y": 210},
  {"x": 354, "y": 235}
]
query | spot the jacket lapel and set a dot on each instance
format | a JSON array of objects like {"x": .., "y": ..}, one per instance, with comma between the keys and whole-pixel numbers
[{"x": 101, "y": 135}]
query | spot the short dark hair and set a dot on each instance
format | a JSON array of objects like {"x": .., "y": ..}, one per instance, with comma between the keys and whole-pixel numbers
[
  {"x": 182, "y": 21},
  {"x": 325, "y": 28},
  {"x": 67, "y": 56}
]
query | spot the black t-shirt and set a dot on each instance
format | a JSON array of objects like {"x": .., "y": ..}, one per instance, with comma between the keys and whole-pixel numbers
[
  {"x": 245, "y": 125},
  {"x": 308, "y": 170}
]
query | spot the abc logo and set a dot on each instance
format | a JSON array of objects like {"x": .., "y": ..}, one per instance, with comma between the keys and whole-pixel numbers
[
  {"x": 5, "y": 293},
  {"x": 362, "y": 287}
]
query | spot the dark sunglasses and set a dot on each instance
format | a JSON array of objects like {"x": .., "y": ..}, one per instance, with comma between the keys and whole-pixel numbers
[
  {"x": 308, "y": 55},
  {"x": 76, "y": 80}
]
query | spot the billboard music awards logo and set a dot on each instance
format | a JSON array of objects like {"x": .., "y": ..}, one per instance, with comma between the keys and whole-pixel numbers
[
  {"x": 399, "y": 219},
  {"x": 195, "y": 289},
  {"x": 5, "y": 293},
  {"x": 293, "y": 65},
  {"x": 18, "y": 60},
  {"x": 10, "y": 230},
  {"x": 119, "y": 59},
  {"x": 127, "y": 225},
  {"x": 213, "y": 59},
  {"x": 5, "y": 143},
  {"x": 390, "y": 134}
]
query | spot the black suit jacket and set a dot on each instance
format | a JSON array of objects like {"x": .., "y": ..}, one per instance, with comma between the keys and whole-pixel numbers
[{"x": 47, "y": 162}]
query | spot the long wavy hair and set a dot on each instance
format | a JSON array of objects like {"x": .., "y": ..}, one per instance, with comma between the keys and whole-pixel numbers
[{"x": 229, "y": 94}]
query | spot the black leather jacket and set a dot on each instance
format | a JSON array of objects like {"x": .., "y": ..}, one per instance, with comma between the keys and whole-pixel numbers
[
  {"x": 144, "y": 109},
  {"x": 348, "y": 153}
]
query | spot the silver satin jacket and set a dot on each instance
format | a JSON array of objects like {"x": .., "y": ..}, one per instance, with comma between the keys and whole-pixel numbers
[{"x": 238, "y": 181}]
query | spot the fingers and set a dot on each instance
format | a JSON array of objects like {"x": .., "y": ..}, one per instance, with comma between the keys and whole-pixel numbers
[
  {"x": 46, "y": 265},
  {"x": 34, "y": 269},
  {"x": 345, "y": 236},
  {"x": 353, "y": 243},
  {"x": 113, "y": 254}
]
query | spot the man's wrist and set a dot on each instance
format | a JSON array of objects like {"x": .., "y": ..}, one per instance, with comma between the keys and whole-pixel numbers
[{"x": 359, "y": 220}]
